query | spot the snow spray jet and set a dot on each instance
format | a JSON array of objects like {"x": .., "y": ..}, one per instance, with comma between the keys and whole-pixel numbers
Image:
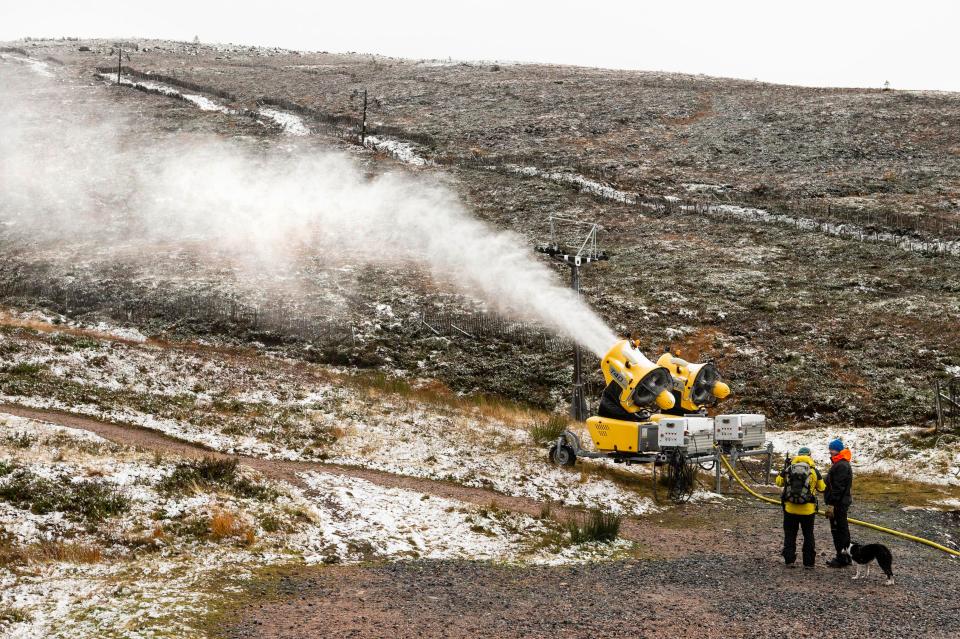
[{"x": 267, "y": 205}]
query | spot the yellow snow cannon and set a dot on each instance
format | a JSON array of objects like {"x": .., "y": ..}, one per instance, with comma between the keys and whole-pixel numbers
[
  {"x": 634, "y": 383},
  {"x": 695, "y": 385}
]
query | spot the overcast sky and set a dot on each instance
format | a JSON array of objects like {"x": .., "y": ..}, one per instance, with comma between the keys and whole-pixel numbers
[{"x": 913, "y": 45}]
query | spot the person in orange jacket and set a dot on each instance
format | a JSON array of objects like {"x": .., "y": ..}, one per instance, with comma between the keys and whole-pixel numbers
[
  {"x": 801, "y": 482},
  {"x": 838, "y": 498}
]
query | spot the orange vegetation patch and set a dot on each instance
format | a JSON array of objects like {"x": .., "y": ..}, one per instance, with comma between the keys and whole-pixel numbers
[
  {"x": 47, "y": 552},
  {"x": 700, "y": 345},
  {"x": 225, "y": 524}
]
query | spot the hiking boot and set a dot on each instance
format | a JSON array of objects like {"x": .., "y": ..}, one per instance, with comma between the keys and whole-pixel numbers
[
  {"x": 790, "y": 564},
  {"x": 837, "y": 563},
  {"x": 810, "y": 567}
]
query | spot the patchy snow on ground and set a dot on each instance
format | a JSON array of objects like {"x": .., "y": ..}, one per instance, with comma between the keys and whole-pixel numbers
[
  {"x": 357, "y": 517},
  {"x": 206, "y": 104},
  {"x": 850, "y": 231},
  {"x": 34, "y": 319},
  {"x": 202, "y": 102},
  {"x": 877, "y": 450},
  {"x": 163, "y": 589},
  {"x": 575, "y": 179},
  {"x": 210, "y": 400},
  {"x": 179, "y": 429},
  {"x": 290, "y": 123},
  {"x": 475, "y": 452},
  {"x": 696, "y": 187},
  {"x": 403, "y": 151},
  {"x": 161, "y": 566},
  {"x": 37, "y": 66},
  {"x": 119, "y": 332}
]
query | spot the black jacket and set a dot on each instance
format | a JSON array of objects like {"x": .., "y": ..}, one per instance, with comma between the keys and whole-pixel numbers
[{"x": 839, "y": 484}]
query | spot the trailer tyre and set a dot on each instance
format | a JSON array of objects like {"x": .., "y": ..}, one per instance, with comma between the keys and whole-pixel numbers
[{"x": 562, "y": 455}]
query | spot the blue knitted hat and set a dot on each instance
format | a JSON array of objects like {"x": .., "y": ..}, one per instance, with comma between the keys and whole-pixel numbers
[
  {"x": 836, "y": 445},
  {"x": 804, "y": 451}
]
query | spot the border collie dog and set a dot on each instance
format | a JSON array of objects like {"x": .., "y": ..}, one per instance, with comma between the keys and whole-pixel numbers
[{"x": 865, "y": 555}]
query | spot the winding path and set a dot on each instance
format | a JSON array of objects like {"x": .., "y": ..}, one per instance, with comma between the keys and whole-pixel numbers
[{"x": 634, "y": 529}]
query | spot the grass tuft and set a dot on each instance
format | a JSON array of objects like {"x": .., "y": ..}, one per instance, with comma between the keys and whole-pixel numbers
[
  {"x": 597, "y": 526},
  {"x": 91, "y": 500},
  {"x": 548, "y": 430},
  {"x": 45, "y": 552},
  {"x": 9, "y": 614},
  {"x": 59, "y": 551},
  {"x": 225, "y": 524},
  {"x": 20, "y": 439},
  {"x": 23, "y": 369},
  {"x": 189, "y": 477}
]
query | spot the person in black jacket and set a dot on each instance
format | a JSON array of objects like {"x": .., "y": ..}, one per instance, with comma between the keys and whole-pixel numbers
[{"x": 838, "y": 498}]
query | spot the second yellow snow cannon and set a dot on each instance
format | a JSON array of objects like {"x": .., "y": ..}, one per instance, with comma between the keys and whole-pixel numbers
[{"x": 695, "y": 386}]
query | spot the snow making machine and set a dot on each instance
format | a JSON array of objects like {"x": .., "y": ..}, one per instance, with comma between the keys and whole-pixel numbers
[{"x": 656, "y": 413}]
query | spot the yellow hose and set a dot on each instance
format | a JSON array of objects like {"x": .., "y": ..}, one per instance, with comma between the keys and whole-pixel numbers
[{"x": 865, "y": 524}]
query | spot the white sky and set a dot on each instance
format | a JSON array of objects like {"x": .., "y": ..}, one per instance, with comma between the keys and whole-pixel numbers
[{"x": 840, "y": 43}]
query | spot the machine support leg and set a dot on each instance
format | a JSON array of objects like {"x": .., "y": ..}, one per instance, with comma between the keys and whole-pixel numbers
[
  {"x": 733, "y": 464},
  {"x": 766, "y": 478},
  {"x": 716, "y": 471}
]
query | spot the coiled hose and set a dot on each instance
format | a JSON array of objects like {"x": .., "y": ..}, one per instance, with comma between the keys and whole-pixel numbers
[{"x": 865, "y": 524}]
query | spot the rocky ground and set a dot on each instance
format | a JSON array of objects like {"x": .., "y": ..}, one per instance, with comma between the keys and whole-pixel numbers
[{"x": 740, "y": 590}]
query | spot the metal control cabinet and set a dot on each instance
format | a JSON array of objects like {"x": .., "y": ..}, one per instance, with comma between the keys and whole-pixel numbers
[
  {"x": 670, "y": 433},
  {"x": 747, "y": 430},
  {"x": 693, "y": 434}
]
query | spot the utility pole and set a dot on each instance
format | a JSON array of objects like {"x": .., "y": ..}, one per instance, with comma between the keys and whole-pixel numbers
[
  {"x": 119, "y": 63},
  {"x": 363, "y": 120},
  {"x": 578, "y": 405},
  {"x": 583, "y": 251}
]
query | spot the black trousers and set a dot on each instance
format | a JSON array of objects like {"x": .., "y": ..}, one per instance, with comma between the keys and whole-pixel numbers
[
  {"x": 791, "y": 524},
  {"x": 840, "y": 529}
]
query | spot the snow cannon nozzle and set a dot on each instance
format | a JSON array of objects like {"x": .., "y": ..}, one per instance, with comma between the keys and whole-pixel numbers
[{"x": 639, "y": 382}]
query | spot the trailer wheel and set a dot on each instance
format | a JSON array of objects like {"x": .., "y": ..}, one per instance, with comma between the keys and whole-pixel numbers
[{"x": 562, "y": 455}]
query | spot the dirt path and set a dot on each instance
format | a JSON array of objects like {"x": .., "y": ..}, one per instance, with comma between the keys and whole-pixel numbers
[{"x": 288, "y": 471}]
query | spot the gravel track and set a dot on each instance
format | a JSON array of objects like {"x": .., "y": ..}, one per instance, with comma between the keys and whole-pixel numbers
[{"x": 702, "y": 595}]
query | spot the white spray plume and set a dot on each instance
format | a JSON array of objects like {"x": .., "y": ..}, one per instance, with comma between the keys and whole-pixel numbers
[{"x": 61, "y": 176}]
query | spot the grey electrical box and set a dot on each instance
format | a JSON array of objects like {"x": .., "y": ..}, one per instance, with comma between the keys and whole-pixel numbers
[{"x": 747, "y": 430}]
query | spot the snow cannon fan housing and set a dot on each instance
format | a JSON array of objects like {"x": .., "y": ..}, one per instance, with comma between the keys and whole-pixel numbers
[
  {"x": 642, "y": 382},
  {"x": 696, "y": 385}
]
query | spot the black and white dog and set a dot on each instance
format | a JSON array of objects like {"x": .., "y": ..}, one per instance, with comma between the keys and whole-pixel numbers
[{"x": 865, "y": 555}]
